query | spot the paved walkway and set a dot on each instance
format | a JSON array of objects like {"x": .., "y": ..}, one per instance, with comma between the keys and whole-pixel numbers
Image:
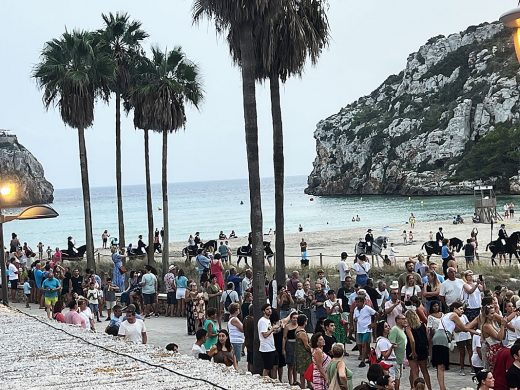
[{"x": 164, "y": 330}]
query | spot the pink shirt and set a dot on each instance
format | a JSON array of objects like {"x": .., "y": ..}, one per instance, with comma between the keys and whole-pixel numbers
[{"x": 74, "y": 318}]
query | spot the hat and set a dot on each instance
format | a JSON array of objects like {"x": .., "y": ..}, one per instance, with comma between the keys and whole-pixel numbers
[
  {"x": 173, "y": 266},
  {"x": 385, "y": 366},
  {"x": 369, "y": 230},
  {"x": 362, "y": 291},
  {"x": 394, "y": 285},
  {"x": 503, "y": 225}
]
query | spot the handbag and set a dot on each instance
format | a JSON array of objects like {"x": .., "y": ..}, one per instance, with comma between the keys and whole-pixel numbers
[
  {"x": 451, "y": 343},
  {"x": 309, "y": 372},
  {"x": 335, "y": 383},
  {"x": 122, "y": 270}
]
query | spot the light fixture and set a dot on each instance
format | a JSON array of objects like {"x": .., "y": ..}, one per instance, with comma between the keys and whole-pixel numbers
[{"x": 511, "y": 19}]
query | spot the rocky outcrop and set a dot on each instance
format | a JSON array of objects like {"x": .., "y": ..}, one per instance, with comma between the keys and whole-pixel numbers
[
  {"x": 417, "y": 134},
  {"x": 19, "y": 166}
]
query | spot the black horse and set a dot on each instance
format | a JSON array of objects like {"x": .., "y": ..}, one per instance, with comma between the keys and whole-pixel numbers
[
  {"x": 211, "y": 243},
  {"x": 247, "y": 251},
  {"x": 191, "y": 250},
  {"x": 511, "y": 247},
  {"x": 74, "y": 255},
  {"x": 433, "y": 248}
]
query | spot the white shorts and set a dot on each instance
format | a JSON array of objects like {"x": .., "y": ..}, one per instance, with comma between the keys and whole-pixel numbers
[
  {"x": 180, "y": 293},
  {"x": 110, "y": 304}
]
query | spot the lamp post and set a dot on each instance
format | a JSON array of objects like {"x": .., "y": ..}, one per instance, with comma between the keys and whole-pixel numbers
[{"x": 511, "y": 19}]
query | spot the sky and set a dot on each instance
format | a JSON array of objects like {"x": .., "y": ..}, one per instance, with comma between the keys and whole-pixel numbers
[{"x": 370, "y": 40}]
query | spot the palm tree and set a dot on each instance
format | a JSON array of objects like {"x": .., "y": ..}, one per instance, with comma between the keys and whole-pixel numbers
[
  {"x": 165, "y": 83},
  {"x": 73, "y": 73},
  {"x": 121, "y": 39}
]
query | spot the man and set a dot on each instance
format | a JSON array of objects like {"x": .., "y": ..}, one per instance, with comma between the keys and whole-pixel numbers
[
  {"x": 223, "y": 249},
  {"x": 38, "y": 280},
  {"x": 451, "y": 289},
  {"x": 198, "y": 350},
  {"x": 369, "y": 240},
  {"x": 364, "y": 319},
  {"x": 72, "y": 317},
  {"x": 513, "y": 373},
  {"x": 133, "y": 329},
  {"x": 265, "y": 334},
  {"x": 445, "y": 255},
  {"x": 249, "y": 336},
  {"x": 439, "y": 237},
  {"x": 228, "y": 297},
  {"x": 51, "y": 288},
  {"x": 13, "y": 278},
  {"x": 247, "y": 282},
  {"x": 303, "y": 249},
  {"x": 397, "y": 336},
  {"x": 149, "y": 290},
  {"x": 201, "y": 262},
  {"x": 344, "y": 293},
  {"x": 292, "y": 282},
  {"x": 319, "y": 301},
  {"x": 384, "y": 295},
  {"x": 76, "y": 283},
  {"x": 420, "y": 266},
  {"x": 373, "y": 294},
  {"x": 502, "y": 234},
  {"x": 141, "y": 247},
  {"x": 393, "y": 307},
  {"x": 236, "y": 280},
  {"x": 343, "y": 268},
  {"x": 115, "y": 321},
  {"x": 197, "y": 239},
  {"x": 329, "y": 337},
  {"x": 409, "y": 271},
  {"x": 432, "y": 267},
  {"x": 171, "y": 288}
]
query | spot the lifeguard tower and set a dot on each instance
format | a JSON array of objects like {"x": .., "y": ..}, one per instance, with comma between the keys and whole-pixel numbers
[{"x": 485, "y": 205}]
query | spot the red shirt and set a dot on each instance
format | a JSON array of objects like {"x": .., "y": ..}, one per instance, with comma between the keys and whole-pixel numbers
[{"x": 504, "y": 360}]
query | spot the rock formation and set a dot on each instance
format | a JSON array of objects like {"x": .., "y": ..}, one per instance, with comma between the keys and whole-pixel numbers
[
  {"x": 19, "y": 166},
  {"x": 442, "y": 125}
]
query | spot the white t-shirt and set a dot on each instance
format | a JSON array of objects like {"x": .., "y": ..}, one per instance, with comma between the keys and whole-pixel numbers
[
  {"x": 343, "y": 270},
  {"x": 132, "y": 332},
  {"x": 87, "y": 314},
  {"x": 473, "y": 300},
  {"x": 383, "y": 345},
  {"x": 364, "y": 318},
  {"x": 13, "y": 272},
  {"x": 462, "y": 336},
  {"x": 451, "y": 290},
  {"x": 233, "y": 295},
  {"x": 361, "y": 268},
  {"x": 515, "y": 323},
  {"x": 299, "y": 294},
  {"x": 409, "y": 291},
  {"x": 266, "y": 344},
  {"x": 196, "y": 349},
  {"x": 390, "y": 317},
  {"x": 476, "y": 361}
]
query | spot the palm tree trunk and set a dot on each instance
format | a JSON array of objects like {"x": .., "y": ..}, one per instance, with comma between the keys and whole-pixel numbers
[
  {"x": 119, "y": 186},
  {"x": 278, "y": 163},
  {"x": 251, "y": 130},
  {"x": 149, "y": 253},
  {"x": 91, "y": 263},
  {"x": 165, "y": 242}
]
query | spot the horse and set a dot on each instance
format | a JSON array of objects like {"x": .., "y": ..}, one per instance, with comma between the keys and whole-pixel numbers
[
  {"x": 190, "y": 251},
  {"x": 511, "y": 247},
  {"x": 433, "y": 248},
  {"x": 71, "y": 255},
  {"x": 377, "y": 246},
  {"x": 211, "y": 243},
  {"x": 246, "y": 251}
]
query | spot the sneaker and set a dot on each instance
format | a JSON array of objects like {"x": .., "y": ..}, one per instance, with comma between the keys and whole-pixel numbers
[
  {"x": 108, "y": 319},
  {"x": 462, "y": 373},
  {"x": 362, "y": 364}
]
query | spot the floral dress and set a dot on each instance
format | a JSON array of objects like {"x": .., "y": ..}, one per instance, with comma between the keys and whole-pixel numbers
[
  {"x": 335, "y": 315},
  {"x": 190, "y": 313},
  {"x": 302, "y": 357},
  {"x": 318, "y": 382},
  {"x": 117, "y": 277}
]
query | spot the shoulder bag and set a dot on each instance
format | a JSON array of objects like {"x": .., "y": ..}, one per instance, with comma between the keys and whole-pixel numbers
[{"x": 451, "y": 343}]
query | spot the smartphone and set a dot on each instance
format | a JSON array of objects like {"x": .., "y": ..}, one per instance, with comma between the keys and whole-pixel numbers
[{"x": 480, "y": 278}]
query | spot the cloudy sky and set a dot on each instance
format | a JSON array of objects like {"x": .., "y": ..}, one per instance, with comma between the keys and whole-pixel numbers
[{"x": 370, "y": 40}]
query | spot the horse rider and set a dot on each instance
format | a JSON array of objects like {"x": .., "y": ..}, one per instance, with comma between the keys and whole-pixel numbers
[
  {"x": 369, "y": 240},
  {"x": 141, "y": 247},
  {"x": 197, "y": 239},
  {"x": 439, "y": 237},
  {"x": 502, "y": 234},
  {"x": 71, "y": 246}
]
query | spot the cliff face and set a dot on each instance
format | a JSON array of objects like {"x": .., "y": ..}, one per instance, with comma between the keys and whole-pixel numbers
[
  {"x": 436, "y": 128},
  {"x": 19, "y": 166}
]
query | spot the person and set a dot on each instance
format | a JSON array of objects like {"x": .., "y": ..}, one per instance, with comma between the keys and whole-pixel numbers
[
  {"x": 224, "y": 251},
  {"x": 227, "y": 298},
  {"x": 288, "y": 346},
  {"x": 369, "y": 241},
  {"x": 93, "y": 299},
  {"x": 265, "y": 335},
  {"x": 249, "y": 336},
  {"x": 202, "y": 263},
  {"x": 232, "y": 234},
  {"x": 363, "y": 318},
  {"x": 214, "y": 293},
  {"x": 445, "y": 255},
  {"x": 337, "y": 369},
  {"x": 27, "y": 292},
  {"x": 392, "y": 253},
  {"x": 431, "y": 289},
  {"x": 118, "y": 272},
  {"x": 410, "y": 237},
  {"x": 439, "y": 236},
  {"x": 149, "y": 291},
  {"x": 410, "y": 289},
  {"x": 320, "y": 361},
  {"x": 432, "y": 267},
  {"x": 472, "y": 295},
  {"x": 198, "y": 350},
  {"x": 51, "y": 287},
  {"x": 318, "y": 302},
  {"x": 393, "y": 307},
  {"x": 72, "y": 317},
  {"x": 384, "y": 348},
  {"x": 476, "y": 357},
  {"x": 300, "y": 228},
  {"x": 247, "y": 282},
  {"x": 104, "y": 238},
  {"x": 222, "y": 236},
  {"x": 86, "y": 313},
  {"x": 398, "y": 337},
  {"x": 321, "y": 279},
  {"x": 216, "y": 269},
  {"x": 402, "y": 280},
  {"x": 334, "y": 309},
  {"x": 181, "y": 282},
  {"x": 502, "y": 234},
  {"x": 469, "y": 253},
  {"x": 190, "y": 298},
  {"x": 57, "y": 311},
  {"x": 513, "y": 373},
  {"x": 13, "y": 278},
  {"x": 302, "y": 349},
  {"x": 169, "y": 284},
  {"x": 493, "y": 333},
  {"x": 329, "y": 328},
  {"x": 343, "y": 268},
  {"x": 484, "y": 380},
  {"x": 236, "y": 330},
  {"x": 222, "y": 351},
  {"x": 285, "y": 301},
  {"x": 133, "y": 329},
  {"x": 417, "y": 348},
  {"x": 210, "y": 325},
  {"x": 303, "y": 249},
  {"x": 361, "y": 268},
  {"x": 451, "y": 289}
]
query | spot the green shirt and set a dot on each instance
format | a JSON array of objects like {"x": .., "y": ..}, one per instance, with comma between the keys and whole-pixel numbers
[{"x": 397, "y": 336}]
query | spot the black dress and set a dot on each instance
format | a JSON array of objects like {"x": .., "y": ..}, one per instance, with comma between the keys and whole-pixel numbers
[{"x": 421, "y": 343}]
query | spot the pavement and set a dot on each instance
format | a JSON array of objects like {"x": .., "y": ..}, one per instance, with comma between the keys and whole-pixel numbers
[{"x": 164, "y": 330}]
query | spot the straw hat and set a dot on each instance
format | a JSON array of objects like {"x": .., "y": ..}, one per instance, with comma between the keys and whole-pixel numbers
[{"x": 394, "y": 285}]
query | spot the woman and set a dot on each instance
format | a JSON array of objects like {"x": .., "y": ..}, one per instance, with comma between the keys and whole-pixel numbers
[
  {"x": 361, "y": 268},
  {"x": 190, "y": 297},
  {"x": 386, "y": 383},
  {"x": 308, "y": 295},
  {"x": 214, "y": 293},
  {"x": 191, "y": 241},
  {"x": 278, "y": 341},
  {"x": 210, "y": 325},
  {"x": 334, "y": 310},
  {"x": 236, "y": 330},
  {"x": 417, "y": 348},
  {"x": 222, "y": 351},
  {"x": 14, "y": 244},
  {"x": 319, "y": 328},
  {"x": 130, "y": 293},
  {"x": 472, "y": 295},
  {"x": 284, "y": 300},
  {"x": 463, "y": 340},
  {"x": 431, "y": 289},
  {"x": 66, "y": 285},
  {"x": 485, "y": 380},
  {"x": 57, "y": 311},
  {"x": 199, "y": 308},
  {"x": 118, "y": 273},
  {"x": 216, "y": 269},
  {"x": 493, "y": 332},
  {"x": 320, "y": 361},
  {"x": 302, "y": 349},
  {"x": 410, "y": 289},
  {"x": 434, "y": 319},
  {"x": 181, "y": 282},
  {"x": 288, "y": 345},
  {"x": 384, "y": 347},
  {"x": 443, "y": 336},
  {"x": 104, "y": 238},
  {"x": 337, "y": 369}
]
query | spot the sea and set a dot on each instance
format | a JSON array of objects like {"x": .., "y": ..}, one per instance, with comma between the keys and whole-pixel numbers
[{"x": 212, "y": 206}]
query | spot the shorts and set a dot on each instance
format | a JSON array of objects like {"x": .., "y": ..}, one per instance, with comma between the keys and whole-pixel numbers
[
  {"x": 268, "y": 359},
  {"x": 304, "y": 263},
  {"x": 171, "y": 298},
  {"x": 110, "y": 304},
  {"x": 180, "y": 293},
  {"x": 148, "y": 299},
  {"x": 50, "y": 301},
  {"x": 14, "y": 284},
  {"x": 362, "y": 338},
  {"x": 463, "y": 343},
  {"x": 396, "y": 371},
  {"x": 94, "y": 308}
]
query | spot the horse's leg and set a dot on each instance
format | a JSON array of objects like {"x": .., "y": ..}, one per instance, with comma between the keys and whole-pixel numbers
[{"x": 493, "y": 262}]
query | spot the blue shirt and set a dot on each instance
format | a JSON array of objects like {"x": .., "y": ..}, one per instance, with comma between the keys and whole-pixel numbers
[
  {"x": 38, "y": 277},
  {"x": 202, "y": 263},
  {"x": 26, "y": 288},
  {"x": 444, "y": 252},
  {"x": 237, "y": 282},
  {"x": 51, "y": 283},
  {"x": 439, "y": 277},
  {"x": 181, "y": 281}
]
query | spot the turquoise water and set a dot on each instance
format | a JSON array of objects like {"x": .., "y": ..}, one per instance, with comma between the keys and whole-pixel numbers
[{"x": 209, "y": 207}]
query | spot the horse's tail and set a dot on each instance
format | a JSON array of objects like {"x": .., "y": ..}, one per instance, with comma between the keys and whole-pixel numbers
[
  {"x": 184, "y": 251},
  {"x": 487, "y": 246},
  {"x": 422, "y": 247}
]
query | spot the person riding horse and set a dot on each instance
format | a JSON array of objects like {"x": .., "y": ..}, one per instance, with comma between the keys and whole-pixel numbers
[
  {"x": 502, "y": 234},
  {"x": 439, "y": 237},
  {"x": 369, "y": 241},
  {"x": 510, "y": 247}
]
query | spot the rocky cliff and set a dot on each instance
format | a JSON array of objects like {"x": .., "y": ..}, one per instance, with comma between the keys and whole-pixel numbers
[
  {"x": 445, "y": 123},
  {"x": 19, "y": 166}
]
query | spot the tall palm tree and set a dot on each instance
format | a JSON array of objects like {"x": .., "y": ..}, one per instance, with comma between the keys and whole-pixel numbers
[
  {"x": 121, "y": 39},
  {"x": 73, "y": 73},
  {"x": 164, "y": 84}
]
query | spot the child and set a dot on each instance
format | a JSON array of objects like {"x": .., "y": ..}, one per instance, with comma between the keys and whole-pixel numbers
[
  {"x": 40, "y": 250},
  {"x": 110, "y": 296},
  {"x": 93, "y": 299},
  {"x": 299, "y": 296},
  {"x": 392, "y": 253},
  {"x": 405, "y": 237},
  {"x": 27, "y": 292},
  {"x": 49, "y": 253},
  {"x": 323, "y": 281},
  {"x": 410, "y": 236}
]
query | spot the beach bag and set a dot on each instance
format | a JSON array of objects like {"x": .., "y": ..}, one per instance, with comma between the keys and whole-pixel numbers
[{"x": 309, "y": 372}]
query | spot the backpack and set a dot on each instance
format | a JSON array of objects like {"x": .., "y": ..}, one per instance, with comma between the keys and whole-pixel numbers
[{"x": 227, "y": 302}]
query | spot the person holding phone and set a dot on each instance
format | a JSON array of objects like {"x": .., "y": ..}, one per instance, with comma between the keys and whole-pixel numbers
[{"x": 471, "y": 294}]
